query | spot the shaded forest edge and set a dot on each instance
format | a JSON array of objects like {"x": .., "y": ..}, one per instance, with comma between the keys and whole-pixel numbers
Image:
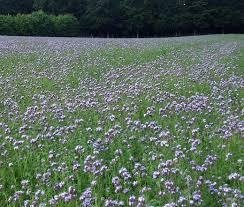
[{"x": 120, "y": 18}]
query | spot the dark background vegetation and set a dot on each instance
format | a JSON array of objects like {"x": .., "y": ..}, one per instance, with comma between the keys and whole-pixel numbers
[{"x": 120, "y": 18}]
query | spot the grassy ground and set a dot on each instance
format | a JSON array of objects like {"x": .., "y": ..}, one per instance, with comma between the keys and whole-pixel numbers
[{"x": 164, "y": 119}]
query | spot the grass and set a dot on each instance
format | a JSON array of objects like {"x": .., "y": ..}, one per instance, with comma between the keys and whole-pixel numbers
[{"x": 136, "y": 145}]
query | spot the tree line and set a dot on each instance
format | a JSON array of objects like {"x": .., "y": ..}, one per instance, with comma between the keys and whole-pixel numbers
[
  {"x": 120, "y": 18},
  {"x": 39, "y": 24}
]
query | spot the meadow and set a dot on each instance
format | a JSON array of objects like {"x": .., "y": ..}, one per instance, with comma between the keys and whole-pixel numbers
[{"x": 122, "y": 122}]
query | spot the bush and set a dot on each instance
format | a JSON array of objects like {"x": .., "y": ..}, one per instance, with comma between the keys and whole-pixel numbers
[
  {"x": 7, "y": 25},
  {"x": 42, "y": 24},
  {"x": 22, "y": 24},
  {"x": 39, "y": 24},
  {"x": 66, "y": 25}
]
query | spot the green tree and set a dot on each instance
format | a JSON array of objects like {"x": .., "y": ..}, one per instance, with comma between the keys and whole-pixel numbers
[
  {"x": 65, "y": 25},
  {"x": 15, "y": 6}
]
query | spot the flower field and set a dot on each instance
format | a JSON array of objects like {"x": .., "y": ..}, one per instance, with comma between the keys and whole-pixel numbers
[{"x": 122, "y": 122}]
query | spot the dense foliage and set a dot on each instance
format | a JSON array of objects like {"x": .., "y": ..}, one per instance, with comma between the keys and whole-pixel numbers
[
  {"x": 39, "y": 24},
  {"x": 137, "y": 17}
]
